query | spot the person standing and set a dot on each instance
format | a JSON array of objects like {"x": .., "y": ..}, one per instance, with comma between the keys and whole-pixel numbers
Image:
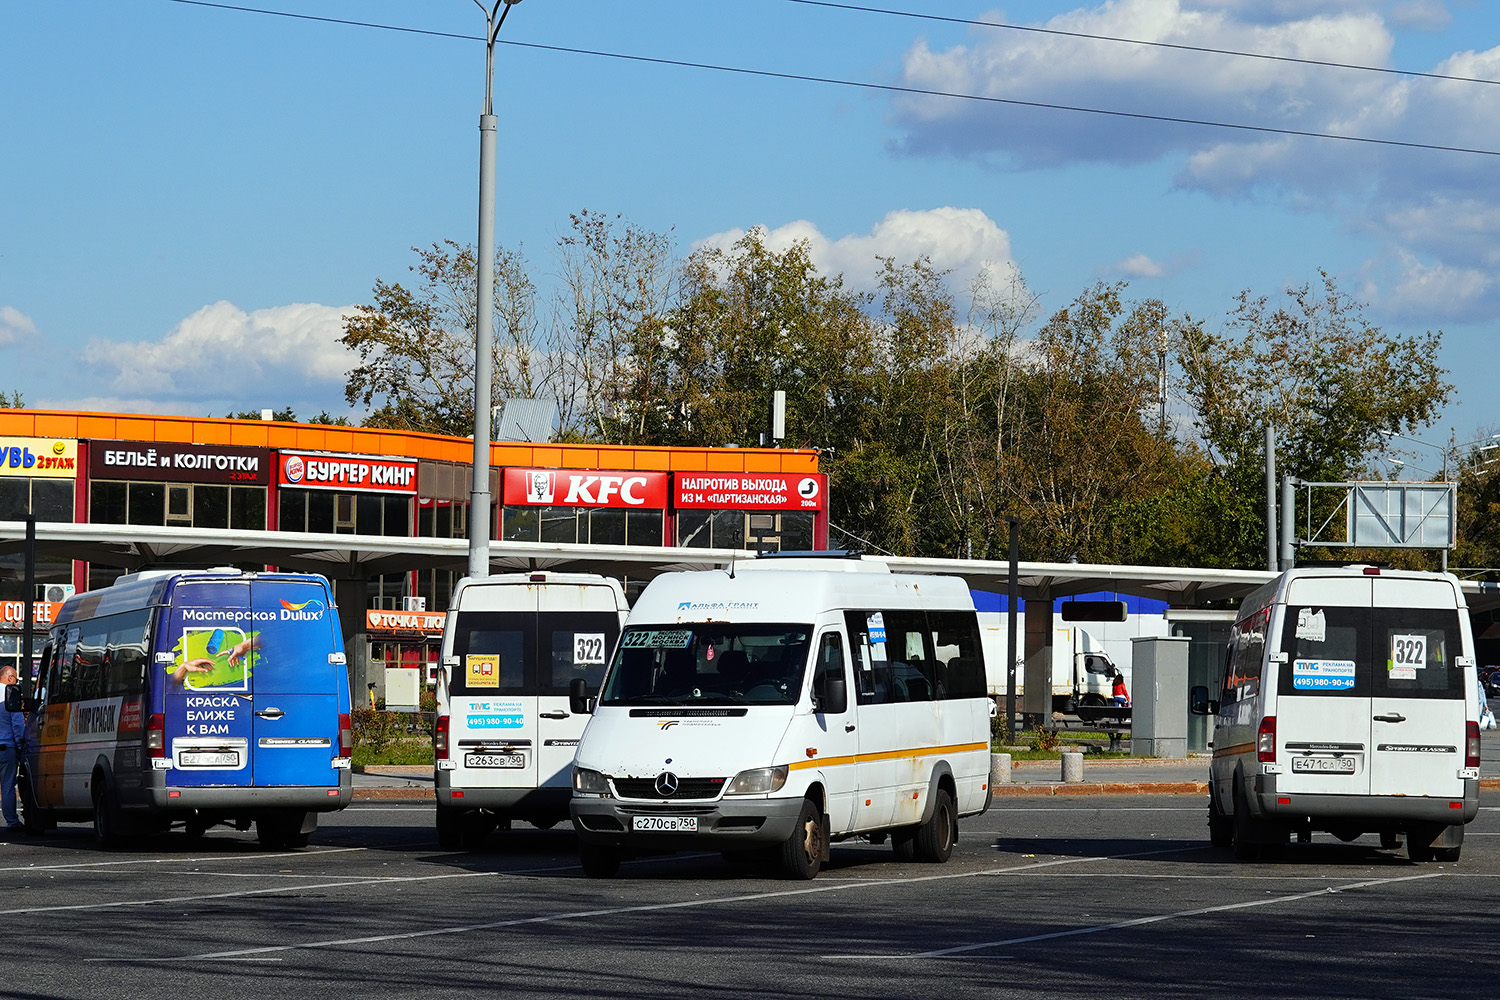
[
  {"x": 12, "y": 745},
  {"x": 1121, "y": 695}
]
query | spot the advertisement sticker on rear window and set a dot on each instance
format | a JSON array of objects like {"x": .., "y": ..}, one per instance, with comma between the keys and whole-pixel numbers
[
  {"x": 482, "y": 670},
  {"x": 1408, "y": 655},
  {"x": 1311, "y": 625},
  {"x": 658, "y": 639},
  {"x": 1322, "y": 675}
]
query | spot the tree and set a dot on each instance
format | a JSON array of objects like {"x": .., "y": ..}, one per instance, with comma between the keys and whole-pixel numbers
[
  {"x": 416, "y": 347},
  {"x": 1316, "y": 370},
  {"x": 287, "y": 415},
  {"x": 12, "y": 401}
]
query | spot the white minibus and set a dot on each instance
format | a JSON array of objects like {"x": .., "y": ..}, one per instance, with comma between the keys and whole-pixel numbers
[
  {"x": 1345, "y": 708},
  {"x": 504, "y": 737},
  {"x": 768, "y": 709}
]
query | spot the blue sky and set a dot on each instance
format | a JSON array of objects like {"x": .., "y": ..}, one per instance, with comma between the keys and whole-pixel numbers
[{"x": 193, "y": 196}]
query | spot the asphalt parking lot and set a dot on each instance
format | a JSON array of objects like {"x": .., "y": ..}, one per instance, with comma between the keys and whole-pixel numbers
[{"x": 1112, "y": 896}]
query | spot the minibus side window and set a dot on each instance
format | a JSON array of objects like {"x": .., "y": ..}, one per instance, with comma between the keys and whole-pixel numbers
[
  {"x": 830, "y": 662},
  {"x": 126, "y": 653},
  {"x": 1247, "y": 650},
  {"x": 913, "y": 665},
  {"x": 88, "y": 680},
  {"x": 872, "y": 669},
  {"x": 960, "y": 658}
]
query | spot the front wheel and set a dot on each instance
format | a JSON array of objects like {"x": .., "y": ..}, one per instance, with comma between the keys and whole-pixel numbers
[
  {"x": 448, "y": 829},
  {"x": 109, "y": 825},
  {"x": 936, "y": 837},
  {"x": 802, "y": 854},
  {"x": 598, "y": 861}
]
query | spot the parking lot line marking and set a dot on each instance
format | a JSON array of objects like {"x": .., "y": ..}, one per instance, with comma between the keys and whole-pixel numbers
[
  {"x": 179, "y": 861},
  {"x": 1142, "y": 921},
  {"x": 116, "y": 904},
  {"x": 607, "y": 912}
]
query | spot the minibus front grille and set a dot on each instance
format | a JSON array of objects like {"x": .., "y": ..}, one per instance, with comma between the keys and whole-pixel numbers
[{"x": 687, "y": 788}]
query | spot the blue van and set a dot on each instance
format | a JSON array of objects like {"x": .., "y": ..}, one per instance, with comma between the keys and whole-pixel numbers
[{"x": 200, "y": 697}]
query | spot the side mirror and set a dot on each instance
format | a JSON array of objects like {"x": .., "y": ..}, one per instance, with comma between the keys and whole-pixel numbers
[
  {"x": 1200, "y": 704},
  {"x": 17, "y": 701},
  {"x": 579, "y": 702},
  {"x": 833, "y": 696}
]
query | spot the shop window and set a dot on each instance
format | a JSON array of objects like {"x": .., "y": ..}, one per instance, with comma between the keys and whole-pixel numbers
[
  {"x": 343, "y": 514},
  {"x": 522, "y": 524},
  {"x": 559, "y": 524},
  {"x": 607, "y": 527},
  {"x": 211, "y": 506},
  {"x": 368, "y": 510},
  {"x": 643, "y": 527},
  {"x": 247, "y": 508},
  {"x": 291, "y": 510},
  {"x": 147, "y": 503},
  {"x": 107, "y": 503},
  {"x": 320, "y": 512},
  {"x": 397, "y": 519},
  {"x": 179, "y": 504},
  {"x": 52, "y": 499},
  {"x": 15, "y": 499}
]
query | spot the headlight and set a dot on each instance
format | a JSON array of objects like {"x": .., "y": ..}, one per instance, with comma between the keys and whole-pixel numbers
[
  {"x": 586, "y": 782},
  {"x": 760, "y": 781}
]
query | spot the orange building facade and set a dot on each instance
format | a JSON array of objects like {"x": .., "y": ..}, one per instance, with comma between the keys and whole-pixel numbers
[{"x": 268, "y": 475}]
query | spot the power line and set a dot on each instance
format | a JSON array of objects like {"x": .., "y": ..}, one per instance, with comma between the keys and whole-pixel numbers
[
  {"x": 1142, "y": 41},
  {"x": 866, "y": 85}
]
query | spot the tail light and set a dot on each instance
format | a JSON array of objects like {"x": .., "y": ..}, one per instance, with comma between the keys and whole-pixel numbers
[
  {"x": 440, "y": 738},
  {"x": 156, "y": 736},
  {"x": 346, "y": 736},
  {"x": 1265, "y": 741},
  {"x": 1471, "y": 745}
]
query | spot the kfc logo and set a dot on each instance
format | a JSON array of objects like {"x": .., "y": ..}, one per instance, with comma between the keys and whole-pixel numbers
[{"x": 539, "y": 487}]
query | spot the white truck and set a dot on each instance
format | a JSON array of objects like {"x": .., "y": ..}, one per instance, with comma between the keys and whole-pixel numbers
[{"x": 1083, "y": 661}]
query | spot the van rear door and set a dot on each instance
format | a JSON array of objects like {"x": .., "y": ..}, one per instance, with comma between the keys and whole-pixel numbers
[
  {"x": 1323, "y": 708},
  {"x": 294, "y": 683},
  {"x": 517, "y": 648},
  {"x": 1418, "y": 691},
  {"x": 207, "y": 704}
]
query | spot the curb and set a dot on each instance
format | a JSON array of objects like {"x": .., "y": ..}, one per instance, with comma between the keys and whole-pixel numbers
[
  {"x": 394, "y": 795},
  {"x": 1105, "y": 788}
]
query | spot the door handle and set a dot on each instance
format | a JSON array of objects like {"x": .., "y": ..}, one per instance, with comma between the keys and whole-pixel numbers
[
  {"x": 1393, "y": 717},
  {"x": 848, "y": 727},
  {"x": 554, "y": 715},
  {"x": 270, "y": 713}
]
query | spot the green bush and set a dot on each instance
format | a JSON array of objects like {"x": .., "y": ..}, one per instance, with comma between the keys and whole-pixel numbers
[
  {"x": 374, "y": 730},
  {"x": 400, "y": 751}
]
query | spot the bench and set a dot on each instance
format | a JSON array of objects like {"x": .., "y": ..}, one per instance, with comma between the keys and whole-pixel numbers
[{"x": 1111, "y": 719}]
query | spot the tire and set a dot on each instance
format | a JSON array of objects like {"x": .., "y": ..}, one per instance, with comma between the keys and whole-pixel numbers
[
  {"x": 935, "y": 838},
  {"x": 448, "y": 826},
  {"x": 1449, "y": 854},
  {"x": 802, "y": 854},
  {"x": 109, "y": 825},
  {"x": 282, "y": 831},
  {"x": 1220, "y": 827},
  {"x": 904, "y": 843},
  {"x": 598, "y": 861},
  {"x": 1244, "y": 828},
  {"x": 474, "y": 830},
  {"x": 1392, "y": 840},
  {"x": 1418, "y": 852},
  {"x": 33, "y": 817}
]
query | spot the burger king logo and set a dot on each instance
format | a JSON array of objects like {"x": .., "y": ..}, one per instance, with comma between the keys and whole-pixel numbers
[{"x": 294, "y": 468}]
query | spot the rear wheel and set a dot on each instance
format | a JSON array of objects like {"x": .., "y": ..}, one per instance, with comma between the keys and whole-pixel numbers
[
  {"x": 1245, "y": 829},
  {"x": 474, "y": 830},
  {"x": 109, "y": 826},
  {"x": 802, "y": 854},
  {"x": 1220, "y": 827},
  {"x": 448, "y": 829},
  {"x": 33, "y": 817},
  {"x": 283, "y": 830},
  {"x": 936, "y": 837},
  {"x": 598, "y": 861}
]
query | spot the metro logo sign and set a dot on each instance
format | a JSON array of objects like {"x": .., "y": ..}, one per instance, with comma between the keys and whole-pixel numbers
[
  {"x": 346, "y": 472},
  {"x": 585, "y": 488}
]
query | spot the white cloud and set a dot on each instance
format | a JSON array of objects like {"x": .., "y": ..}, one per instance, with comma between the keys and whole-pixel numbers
[
  {"x": 964, "y": 241},
  {"x": 15, "y": 325},
  {"x": 1430, "y": 292},
  {"x": 1138, "y": 265},
  {"x": 223, "y": 356}
]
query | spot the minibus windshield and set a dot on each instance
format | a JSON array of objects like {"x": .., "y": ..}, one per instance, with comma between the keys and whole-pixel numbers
[{"x": 708, "y": 664}]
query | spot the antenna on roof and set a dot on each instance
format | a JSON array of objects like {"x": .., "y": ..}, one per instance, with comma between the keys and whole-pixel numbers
[{"x": 731, "y": 565}]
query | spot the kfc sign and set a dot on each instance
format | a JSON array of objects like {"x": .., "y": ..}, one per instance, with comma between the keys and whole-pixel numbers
[
  {"x": 751, "y": 491},
  {"x": 592, "y": 488},
  {"x": 346, "y": 472}
]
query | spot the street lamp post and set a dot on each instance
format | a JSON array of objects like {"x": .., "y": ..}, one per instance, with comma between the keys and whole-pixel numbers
[{"x": 484, "y": 310}]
